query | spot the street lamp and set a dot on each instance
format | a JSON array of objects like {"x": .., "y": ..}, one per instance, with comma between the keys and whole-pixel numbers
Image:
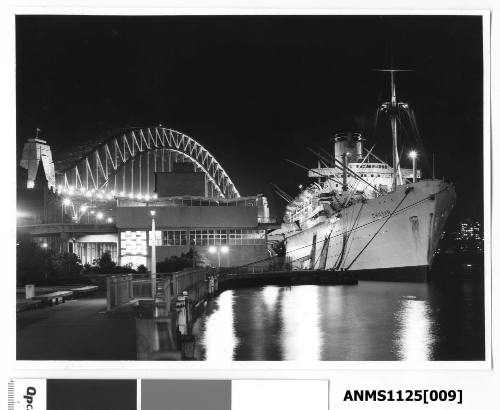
[
  {"x": 413, "y": 156},
  {"x": 218, "y": 249},
  {"x": 153, "y": 254}
]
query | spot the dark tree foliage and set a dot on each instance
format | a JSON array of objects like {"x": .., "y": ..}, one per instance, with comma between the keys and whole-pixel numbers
[
  {"x": 177, "y": 263},
  {"x": 32, "y": 262},
  {"x": 40, "y": 266},
  {"x": 105, "y": 266},
  {"x": 105, "y": 262},
  {"x": 45, "y": 266},
  {"x": 65, "y": 265},
  {"x": 142, "y": 269}
]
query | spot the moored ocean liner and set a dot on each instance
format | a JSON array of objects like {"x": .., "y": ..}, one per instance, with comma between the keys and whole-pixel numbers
[{"x": 363, "y": 215}]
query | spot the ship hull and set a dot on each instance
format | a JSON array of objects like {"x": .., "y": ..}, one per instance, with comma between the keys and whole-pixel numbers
[{"x": 391, "y": 237}]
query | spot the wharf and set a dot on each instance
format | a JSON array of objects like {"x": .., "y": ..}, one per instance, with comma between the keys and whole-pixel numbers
[
  {"x": 231, "y": 280},
  {"x": 164, "y": 323}
]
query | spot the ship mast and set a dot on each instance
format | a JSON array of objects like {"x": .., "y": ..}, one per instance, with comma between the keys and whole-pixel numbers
[
  {"x": 392, "y": 108},
  {"x": 393, "y": 114}
]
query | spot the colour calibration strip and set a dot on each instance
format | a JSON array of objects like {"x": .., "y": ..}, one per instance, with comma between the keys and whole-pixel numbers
[{"x": 131, "y": 394}]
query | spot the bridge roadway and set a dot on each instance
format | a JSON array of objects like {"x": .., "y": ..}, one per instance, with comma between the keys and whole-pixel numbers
[{"x": 66, "y": 228}]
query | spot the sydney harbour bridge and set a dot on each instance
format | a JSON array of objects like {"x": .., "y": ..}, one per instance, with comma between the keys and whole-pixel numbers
[{"x": 124, "y": 167}]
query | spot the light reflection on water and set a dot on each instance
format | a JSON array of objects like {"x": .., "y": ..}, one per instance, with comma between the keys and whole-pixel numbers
[
  {"x": 371, "y": 321},
  {"x": 270, "y": 296},
  {"x": 301, "y": 336},
  {"x": 414, "y": 339},
  {"x": 219, "y": 339}
]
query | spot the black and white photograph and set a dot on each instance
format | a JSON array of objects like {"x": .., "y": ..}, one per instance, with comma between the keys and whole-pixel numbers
[{"x": 262, "y": 188}]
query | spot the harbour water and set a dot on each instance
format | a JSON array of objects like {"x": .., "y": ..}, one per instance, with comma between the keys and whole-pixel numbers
[{"x": 370, "y": 321}]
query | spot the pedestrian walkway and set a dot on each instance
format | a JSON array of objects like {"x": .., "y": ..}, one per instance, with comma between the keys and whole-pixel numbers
[{"x": 76, "y": 330}]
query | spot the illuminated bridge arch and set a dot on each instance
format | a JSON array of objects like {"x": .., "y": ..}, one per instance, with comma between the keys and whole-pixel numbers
[{"x": 124, "y": 165}]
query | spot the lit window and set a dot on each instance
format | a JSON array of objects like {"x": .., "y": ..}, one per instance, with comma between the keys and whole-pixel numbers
[
  {"x": 246, "y": 236},
  {"x": 206, "y": 237},
  {"x": 133, "y": 243},
  {"x": 174, "y": 238},
  {"x": 158, "y": 241}
]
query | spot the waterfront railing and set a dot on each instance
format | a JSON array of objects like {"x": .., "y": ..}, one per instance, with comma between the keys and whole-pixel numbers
[{"x": 129, "y": 288}]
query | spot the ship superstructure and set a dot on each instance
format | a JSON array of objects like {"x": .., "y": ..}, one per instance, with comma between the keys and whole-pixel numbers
[{"x": 362, "y": 214}]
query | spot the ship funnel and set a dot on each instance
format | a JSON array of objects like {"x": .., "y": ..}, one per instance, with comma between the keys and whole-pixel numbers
[{"x": 349, "y": 143}]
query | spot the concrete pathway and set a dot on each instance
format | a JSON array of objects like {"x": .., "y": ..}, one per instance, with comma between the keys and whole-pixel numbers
[{"x": 76, "y": 330}]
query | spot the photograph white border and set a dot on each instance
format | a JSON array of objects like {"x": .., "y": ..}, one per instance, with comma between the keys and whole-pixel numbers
[{"x": 146, "y": 368}]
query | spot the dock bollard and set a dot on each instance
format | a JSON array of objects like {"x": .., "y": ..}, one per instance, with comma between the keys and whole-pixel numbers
[
  {"x": 211, "y": 284},
  {"x": 181, "y": 306},
  {"x": 30, "y": 291}
]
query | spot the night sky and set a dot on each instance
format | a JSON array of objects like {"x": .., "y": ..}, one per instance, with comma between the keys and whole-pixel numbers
[{"x": 257, "y": 90}]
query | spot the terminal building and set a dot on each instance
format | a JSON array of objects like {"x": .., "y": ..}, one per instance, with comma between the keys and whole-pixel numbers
[{"x": 222, "y": 231}]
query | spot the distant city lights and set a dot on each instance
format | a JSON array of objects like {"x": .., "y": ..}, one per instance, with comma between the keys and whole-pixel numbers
[
  {"x": 470, "y": 230},
  {"x": 467, "y": 238},
  {"x": 99, "y": 215}
]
